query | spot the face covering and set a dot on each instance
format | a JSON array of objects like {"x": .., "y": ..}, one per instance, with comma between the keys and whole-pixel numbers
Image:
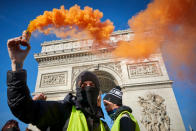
[
  {"x": 87, "y": 98},
  {"x": 81, "y": 97}
]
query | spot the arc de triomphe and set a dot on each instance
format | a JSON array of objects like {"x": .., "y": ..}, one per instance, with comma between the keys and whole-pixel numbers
[{"x": 146, "y": 86}]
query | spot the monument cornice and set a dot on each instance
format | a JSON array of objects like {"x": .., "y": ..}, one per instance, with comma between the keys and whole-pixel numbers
[
  {"x": 54, "y": 42},
  {"x": 148, "y": 85},
  {"x": 61, "y": 57},
  {"x": 72, "y": 51}
]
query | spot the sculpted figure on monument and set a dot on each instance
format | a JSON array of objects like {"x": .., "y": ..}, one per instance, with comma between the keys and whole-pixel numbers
[{"x": 154, "y": 114}]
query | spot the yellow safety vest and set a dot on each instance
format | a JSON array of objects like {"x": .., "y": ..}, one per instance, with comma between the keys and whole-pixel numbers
[
  {"x": 116, "y": 125},
  {"x": 78, "y": 122}
]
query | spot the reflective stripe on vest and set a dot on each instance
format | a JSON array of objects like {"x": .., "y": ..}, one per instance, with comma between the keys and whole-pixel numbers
[
  {"x": 77, "y": 121},
  {"x": 116, "y": 125}
]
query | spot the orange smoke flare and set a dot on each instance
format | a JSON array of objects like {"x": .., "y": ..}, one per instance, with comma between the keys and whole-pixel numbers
[
  {"x": 169, "y": 25},
  {"x": 65, "y": 23}
]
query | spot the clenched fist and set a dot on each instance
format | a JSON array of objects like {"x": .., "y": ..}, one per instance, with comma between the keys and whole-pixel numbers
[{"x": 18, "y": 55}]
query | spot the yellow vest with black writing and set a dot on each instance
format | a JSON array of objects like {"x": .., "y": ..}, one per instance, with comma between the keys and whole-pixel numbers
[
  {"x": 116, "y": 125},
  {"x": 78, "y": 122}
]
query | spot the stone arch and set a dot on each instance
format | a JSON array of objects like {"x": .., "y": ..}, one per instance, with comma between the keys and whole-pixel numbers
[
  {"x": 106, "y": 80},
  {"x": 112, "y": 76}
]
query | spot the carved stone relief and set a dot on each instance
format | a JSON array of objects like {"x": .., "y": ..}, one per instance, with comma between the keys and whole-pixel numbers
[
  {"x": 115, "y": 66},
  {"x": 154, "y": 115},
  {"x": 53, "y": 79},
  {"x": 144, "y": 69}
]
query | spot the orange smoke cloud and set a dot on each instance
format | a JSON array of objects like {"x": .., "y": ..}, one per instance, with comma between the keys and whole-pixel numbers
[
  {"x": 169, "y": 25},
  {"x": 73, "y": 22}
]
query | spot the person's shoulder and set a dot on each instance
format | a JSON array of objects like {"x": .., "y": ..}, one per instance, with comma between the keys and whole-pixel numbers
[
  {"x": 125, "y": 118},
  {"x": 125, "y": 115},
  {"x": 126, "y": 123}
]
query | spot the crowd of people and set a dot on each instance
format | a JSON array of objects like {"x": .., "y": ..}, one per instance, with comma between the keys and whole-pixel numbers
[{"x": 80, "y": 112}]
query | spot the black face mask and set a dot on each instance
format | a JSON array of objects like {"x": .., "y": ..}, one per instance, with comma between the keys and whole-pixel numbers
[
  {"x": 87, "y": 97},
  {"x": 81, "y": 97}
]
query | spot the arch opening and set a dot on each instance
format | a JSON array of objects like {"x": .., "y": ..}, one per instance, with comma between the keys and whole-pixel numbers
[{"x": 106, "y": 80}]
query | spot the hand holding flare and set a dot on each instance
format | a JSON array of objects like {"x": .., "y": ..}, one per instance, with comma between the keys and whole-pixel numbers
[{"x": 26, "y": 35}]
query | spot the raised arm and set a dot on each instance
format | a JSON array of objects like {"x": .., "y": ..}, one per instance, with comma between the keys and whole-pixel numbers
[{"x": 41, "y": 113}]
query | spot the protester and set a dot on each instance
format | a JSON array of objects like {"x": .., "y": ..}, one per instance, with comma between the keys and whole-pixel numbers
[
  {"x": 75, "y": 113},
  {"x": 121, "y": 115},
  {"x": 11, "y": 125}
]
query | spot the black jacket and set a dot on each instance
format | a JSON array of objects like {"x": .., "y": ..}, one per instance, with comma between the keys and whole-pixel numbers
[
  {"x": 53, "y": 115},
  {"x": 126, "y": 123}
]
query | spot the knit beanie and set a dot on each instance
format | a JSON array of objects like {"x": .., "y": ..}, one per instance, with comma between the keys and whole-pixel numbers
[{"x": 114, "y": 96}]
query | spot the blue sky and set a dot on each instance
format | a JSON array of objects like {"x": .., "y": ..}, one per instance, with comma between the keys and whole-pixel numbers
[{"x": 15, "y": 17}]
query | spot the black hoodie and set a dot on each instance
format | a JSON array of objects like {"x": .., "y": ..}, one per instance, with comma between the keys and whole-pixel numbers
[{"x": 52, "y": 115}]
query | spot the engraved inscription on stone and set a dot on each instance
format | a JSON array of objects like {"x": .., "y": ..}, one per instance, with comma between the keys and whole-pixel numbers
[
  {"x": 154, "y": 116},
  {"x": 53, "y": 79},
  {"x": 144, "y": 69}
]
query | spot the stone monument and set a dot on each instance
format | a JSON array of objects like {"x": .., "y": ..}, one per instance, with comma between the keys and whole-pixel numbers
[{"x": 146, "y": 86}]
